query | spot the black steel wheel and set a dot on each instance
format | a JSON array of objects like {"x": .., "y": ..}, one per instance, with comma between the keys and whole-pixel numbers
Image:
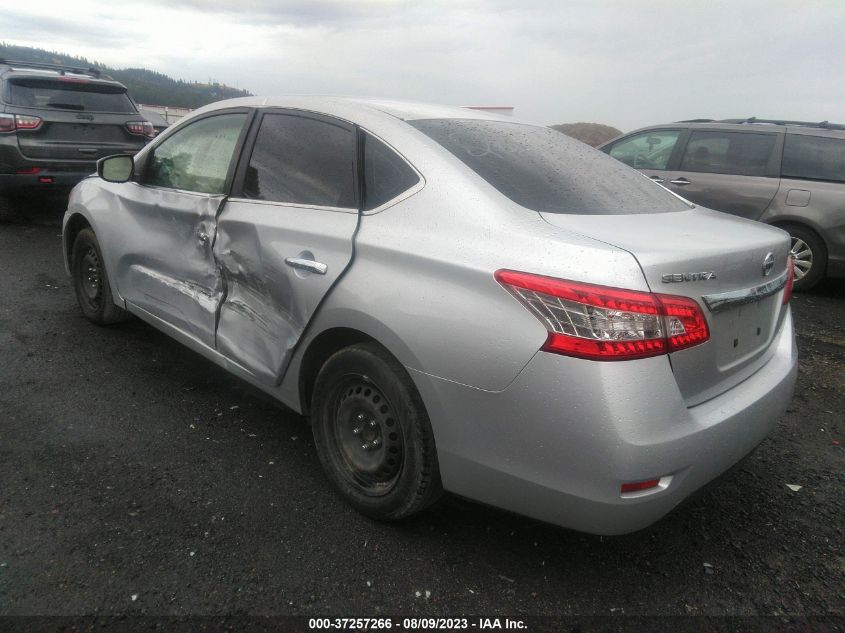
[
  {"x": 367, "y": 446},
  {"x": 373, "y": 435},
  {"x": 91, "y": 283}
]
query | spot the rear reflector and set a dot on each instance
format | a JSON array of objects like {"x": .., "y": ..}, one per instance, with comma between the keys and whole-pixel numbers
[
  {"x": 604, "y": 323},
  {"x": 637, "y": 486},
  {"x": 28, "y": 171},
  {"x": 790, "y": 279}
]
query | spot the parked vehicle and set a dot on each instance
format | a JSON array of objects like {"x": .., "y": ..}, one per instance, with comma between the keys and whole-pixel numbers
[
  {"x": 55, "y": 122},
  {"x": 790, "y": 174},
  {"x": 457, "y": 301}
]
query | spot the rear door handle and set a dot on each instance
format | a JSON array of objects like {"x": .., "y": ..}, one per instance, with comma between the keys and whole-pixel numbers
[
  {"x": 87, "y": 150},
  {"x": 307, "y": 264},
  {"x": 680, "y": 181},
  {"x": 656, "y": 178}
]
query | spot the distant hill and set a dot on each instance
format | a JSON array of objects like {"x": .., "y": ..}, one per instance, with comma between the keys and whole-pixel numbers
[
  {"x": 590, "y": 133},
  {"x": 145, "y": 86}
]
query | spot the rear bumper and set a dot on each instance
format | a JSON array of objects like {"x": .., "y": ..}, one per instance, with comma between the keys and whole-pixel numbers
[{"x": 558, "y": 443}]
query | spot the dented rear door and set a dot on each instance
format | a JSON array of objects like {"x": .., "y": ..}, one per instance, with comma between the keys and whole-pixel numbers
[
  {"x": 285, "y": 236},
  {"x": 167, "y": 268}
]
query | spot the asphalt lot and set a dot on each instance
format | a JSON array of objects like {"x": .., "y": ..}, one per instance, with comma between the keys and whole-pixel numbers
[{"x": 138, "y": 478}]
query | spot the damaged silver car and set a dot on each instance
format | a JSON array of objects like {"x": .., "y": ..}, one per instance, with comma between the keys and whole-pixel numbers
[{"x": 457, "y": 301}]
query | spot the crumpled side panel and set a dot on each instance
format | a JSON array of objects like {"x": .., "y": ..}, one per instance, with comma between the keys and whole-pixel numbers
[
  {"x": 267, "y": 303},
  {"x": 166, "y": 265}
]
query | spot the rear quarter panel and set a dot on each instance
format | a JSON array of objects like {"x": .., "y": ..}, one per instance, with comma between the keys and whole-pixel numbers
[{"x": 817, "y": 205}]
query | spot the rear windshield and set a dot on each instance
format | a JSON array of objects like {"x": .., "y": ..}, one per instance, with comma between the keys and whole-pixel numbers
[
  {"x": 545, "y": 170},
  {"x": 69, "y": 95}
]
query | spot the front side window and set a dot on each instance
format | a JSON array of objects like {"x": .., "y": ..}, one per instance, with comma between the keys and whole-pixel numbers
[
  {"x": 544, "y": 170},
  {"x": 386, "y": 175},
  {"x": 69, "y": 95},
  {"x": 197, "y": 158},
  {"x": 814, "y": 158},
  {"x": 649, "y": 150},
  {"x": 301, "y": 160},
  {"x": 743, "y": 154}
]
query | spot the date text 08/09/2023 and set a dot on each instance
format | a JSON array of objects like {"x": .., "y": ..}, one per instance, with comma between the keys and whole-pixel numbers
[{"x": 416, "y": 624}]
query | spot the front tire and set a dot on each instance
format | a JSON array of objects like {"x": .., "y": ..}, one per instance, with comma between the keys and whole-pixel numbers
[
  {"x": 809, "y": 257},
  {"x": 373, "y": 435},
  {"x": 91, "y": 283}
]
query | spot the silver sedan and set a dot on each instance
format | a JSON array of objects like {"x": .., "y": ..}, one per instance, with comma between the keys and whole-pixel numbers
[{"x": 457, "y": 301}]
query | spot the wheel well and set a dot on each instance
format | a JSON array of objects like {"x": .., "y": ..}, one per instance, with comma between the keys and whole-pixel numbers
[
  {"x": 76, "y": 224},
  {"x": 785, "y": 224},
  {"x": 318, "y": 352}
]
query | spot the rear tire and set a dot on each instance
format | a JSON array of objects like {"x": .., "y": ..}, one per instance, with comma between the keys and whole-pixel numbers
[
  {"x": 809, "y": 256},
  {"x": 373, "y": 435},
  {"x": 91, "y": 283}
]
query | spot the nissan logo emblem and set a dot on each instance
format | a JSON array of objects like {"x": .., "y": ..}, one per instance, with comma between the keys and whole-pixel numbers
[{"x": 768, "y": 264}]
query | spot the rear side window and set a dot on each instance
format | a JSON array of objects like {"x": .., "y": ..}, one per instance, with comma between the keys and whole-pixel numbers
[
  {"x": 59, "y": 95},
  {"x": 386, "y": 175},
  {"x": 738, "y": 153},
  {"x": 300, "y": 160},
  {"x": 814, "y": 158},
  {"x": 544, "y": 170},
  {"x": 650, "y": 150},
  {"x": 197, "y": 157}
]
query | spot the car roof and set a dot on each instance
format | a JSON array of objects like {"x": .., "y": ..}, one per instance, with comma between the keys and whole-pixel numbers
[
  {"x": 750, "y": 125},
  {"x": 9, "y": 69},
  {"x": 20, "y": 65},
  {"x": 354, "y": 108}
]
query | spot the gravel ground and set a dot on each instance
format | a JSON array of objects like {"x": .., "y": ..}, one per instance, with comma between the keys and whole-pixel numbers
[{"x": 138, "y": 478}]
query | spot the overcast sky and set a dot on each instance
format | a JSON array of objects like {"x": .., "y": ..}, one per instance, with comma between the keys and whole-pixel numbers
[{"x": 621, "y": 62}]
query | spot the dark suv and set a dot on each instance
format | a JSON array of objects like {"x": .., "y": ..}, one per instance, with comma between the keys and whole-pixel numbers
[
  {"x": 55, "y": 122},
  {"x": 787, "y": 173}
]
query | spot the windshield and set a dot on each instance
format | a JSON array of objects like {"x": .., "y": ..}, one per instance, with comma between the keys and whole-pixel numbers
[
  {"x": 60, "y": 95},
  {"x": 545, "y": 170}
]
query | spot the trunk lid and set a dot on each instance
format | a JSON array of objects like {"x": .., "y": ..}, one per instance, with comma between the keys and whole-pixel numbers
[{"x": 677, "y": 252}]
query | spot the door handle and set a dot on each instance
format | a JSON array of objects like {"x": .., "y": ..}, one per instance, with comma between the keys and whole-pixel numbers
[
  {"x": 307, "y": 264},
  {"x": 202, "y": 238},
  {"x": 656, "y": 178},
  {"x": 680, "y": 181}
]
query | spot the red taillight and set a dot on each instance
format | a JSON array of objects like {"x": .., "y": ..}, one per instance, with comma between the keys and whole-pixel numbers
[
  {"x": 790, "y": 279},
  {"x": 604, "y": 323},
  {"x": 10, "y": 123},
  {"x": 141, "y": 128},
  {"x": 685, "y": 322},
  {"x": 27, "y": 122},
  {"x": 28, "y": 171},
  {"x": 637, "y": 486}
]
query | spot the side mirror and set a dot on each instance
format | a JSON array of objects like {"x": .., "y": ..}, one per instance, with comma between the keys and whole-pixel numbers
[{"x": 118, "y": 168}]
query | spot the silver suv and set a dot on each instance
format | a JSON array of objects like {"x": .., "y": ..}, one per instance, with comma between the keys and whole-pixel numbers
[
  {"x": 790, "y": 174},
  {"x": 456, "y": 301}
]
